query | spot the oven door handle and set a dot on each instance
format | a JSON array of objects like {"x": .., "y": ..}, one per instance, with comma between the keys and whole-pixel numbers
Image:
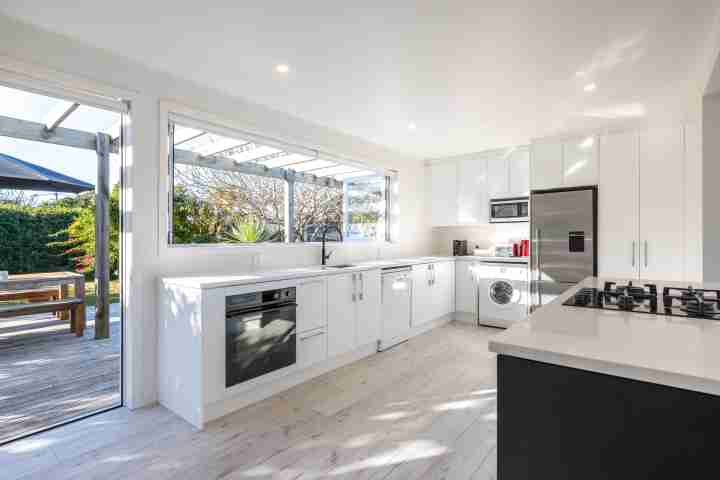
[{"x": 277, "y": 308}]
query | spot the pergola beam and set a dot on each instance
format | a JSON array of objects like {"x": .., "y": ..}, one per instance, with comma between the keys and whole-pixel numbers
[
  {"x": 36, "y": 132},
  {"x": 185, "y": 157},
  {"x": 56, "y": 117}
]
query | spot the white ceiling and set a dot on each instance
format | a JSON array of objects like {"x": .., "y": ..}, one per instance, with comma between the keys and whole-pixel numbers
[{"x": 471, "y": 74}]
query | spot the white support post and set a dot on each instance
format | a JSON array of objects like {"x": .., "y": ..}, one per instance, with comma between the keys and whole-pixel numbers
[{"x": 102, "y": 238}]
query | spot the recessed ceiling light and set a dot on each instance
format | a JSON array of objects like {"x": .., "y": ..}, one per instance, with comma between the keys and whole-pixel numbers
[
  {"x": 412, "y": 126},
  {"x": 590, "y": 87},
  {"x": 282, "y": 68}
]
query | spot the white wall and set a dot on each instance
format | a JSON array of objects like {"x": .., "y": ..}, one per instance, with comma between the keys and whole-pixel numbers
[
  {"x": 484, "y": 236},
  {"x": 144, "y": 260}
]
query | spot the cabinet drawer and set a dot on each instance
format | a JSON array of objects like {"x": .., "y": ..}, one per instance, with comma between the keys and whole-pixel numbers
[{"x": 312, "y": 347}]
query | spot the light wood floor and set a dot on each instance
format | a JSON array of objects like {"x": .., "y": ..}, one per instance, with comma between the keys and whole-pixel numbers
[
  {"x": 423, "y": 410},
  {"x": 48, "y": 375}
]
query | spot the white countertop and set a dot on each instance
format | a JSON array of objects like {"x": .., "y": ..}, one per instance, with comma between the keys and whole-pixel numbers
[
  {"x": 219, "y": 281},
  {"x": 674, "y": 351},
  {"x": 478, "y": 258}
]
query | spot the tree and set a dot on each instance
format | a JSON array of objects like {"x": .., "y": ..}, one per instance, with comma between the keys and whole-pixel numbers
[
  {"x": 233, "y": 198},
  {"x": 80, "y": 245},
  {"x": 19, "y": 198},
  {"x": 196, "y": 220}
]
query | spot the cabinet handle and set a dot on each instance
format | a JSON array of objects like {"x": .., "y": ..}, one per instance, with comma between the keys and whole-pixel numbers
[
  {"x": 362, "y": 286},
  {"x": 633, "y": 253},
  {"x": 313, "y": 335},
  {"x": 354, "y": 287},
  {"x": 646, "y": 253}
]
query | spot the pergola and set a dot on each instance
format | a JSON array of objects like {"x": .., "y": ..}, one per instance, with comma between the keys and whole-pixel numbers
[{"x": 103, "y": 144}]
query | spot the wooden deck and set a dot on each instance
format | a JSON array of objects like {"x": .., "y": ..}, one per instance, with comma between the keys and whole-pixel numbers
[{"x": 49, "y": 376}]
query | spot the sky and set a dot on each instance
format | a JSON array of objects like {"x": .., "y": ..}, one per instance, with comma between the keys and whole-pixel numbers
[{"x": 75, "y": 162}]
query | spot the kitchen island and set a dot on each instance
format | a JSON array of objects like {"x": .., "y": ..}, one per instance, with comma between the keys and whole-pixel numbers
[{"x": 598, "y": 394}]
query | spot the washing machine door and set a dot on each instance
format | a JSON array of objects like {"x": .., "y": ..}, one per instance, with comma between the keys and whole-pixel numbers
[{"x": 502, "y": 293}]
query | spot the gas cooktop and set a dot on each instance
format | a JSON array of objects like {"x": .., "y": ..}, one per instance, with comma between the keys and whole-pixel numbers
[{"x": 679, "y": 302}]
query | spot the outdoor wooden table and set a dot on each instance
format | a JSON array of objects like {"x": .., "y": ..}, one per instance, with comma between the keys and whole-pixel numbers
[{"x": 61, "y": 281}]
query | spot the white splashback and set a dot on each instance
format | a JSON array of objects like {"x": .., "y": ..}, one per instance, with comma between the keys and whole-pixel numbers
[{"x": 484, "y": 236}]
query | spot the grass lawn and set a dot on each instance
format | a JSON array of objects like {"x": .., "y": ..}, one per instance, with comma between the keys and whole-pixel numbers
[{"x": 91, "y": 298}]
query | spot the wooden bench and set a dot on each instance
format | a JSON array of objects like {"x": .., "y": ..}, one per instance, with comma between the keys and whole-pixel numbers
[
  {"x": 35, "y": 295},
  {"x": 75, "y": 306}
]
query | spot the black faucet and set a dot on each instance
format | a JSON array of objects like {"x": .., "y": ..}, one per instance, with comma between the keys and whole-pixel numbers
[{"x": 326, "y": 257}]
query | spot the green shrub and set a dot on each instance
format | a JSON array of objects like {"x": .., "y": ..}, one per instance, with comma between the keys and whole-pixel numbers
[{"x": 29, "y": 238}]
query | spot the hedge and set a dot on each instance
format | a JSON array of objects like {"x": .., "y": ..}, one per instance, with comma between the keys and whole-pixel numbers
[{"x": 26, "y": 234}]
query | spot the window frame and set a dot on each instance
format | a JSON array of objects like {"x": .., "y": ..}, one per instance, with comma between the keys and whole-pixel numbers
[{"x": 172, "y": 113}]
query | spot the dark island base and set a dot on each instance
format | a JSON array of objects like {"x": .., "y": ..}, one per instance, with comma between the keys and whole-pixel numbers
[{"x": 559, "y": 423}]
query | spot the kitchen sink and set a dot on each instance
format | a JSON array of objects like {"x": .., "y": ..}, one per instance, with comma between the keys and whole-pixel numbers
[{"x": 330, "y": 267}]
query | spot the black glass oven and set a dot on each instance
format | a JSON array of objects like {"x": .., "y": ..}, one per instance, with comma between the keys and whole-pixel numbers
[
  {"x": 260, "y": 334},
  {"x": 505, "y": 210}
]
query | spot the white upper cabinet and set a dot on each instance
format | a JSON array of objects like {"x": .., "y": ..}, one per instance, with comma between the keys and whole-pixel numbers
[
  {"x": 498, "y": 179},
  {"x": 443, "y": 193},
  {"x": 662, "y": 194},
  {"x": 580, "y": 161},
  {"x": 568, "y": 162},
  {"x": 618, "y": 243},
  {"x": 546, "y": 165},
  {"x": 519, "y": 172},
  {"x": 472, "y": 191}
]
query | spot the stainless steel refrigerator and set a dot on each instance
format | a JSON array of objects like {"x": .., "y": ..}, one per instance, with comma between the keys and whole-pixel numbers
[{"x": 563, "y": 229}]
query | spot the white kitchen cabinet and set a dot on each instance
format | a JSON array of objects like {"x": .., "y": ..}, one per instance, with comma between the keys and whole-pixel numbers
[
  {"x": 568, "y": 162},
  {"x": 473, "y": 200},
  {"x": 369, "y": 307},
  {"x": 519, "y": 172},
  {"x": 312, "y": 304},
  {"x": 443, "y": 289},
  {"x": 641, "y": 199},
  {"x": 433, "y": 291},
  {"x": 353, "y": 317},
  {"x": 421, "y": 294},
  {"x": 618, "y": 213},
  {"x": 312, "y": 347},
  {"x": 465, "y": 290},
  {"x": 443, "y": 193},
  {"x": 662, "y": 193},
  {"x": 546, "y": 165},
  {"x": 341, "y": 325},
  {"x": 498, "y": 179},
  {"x": 580, "y": 161}
]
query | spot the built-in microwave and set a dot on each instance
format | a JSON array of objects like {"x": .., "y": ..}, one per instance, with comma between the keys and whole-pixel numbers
[{"x": 506, "y": 210}]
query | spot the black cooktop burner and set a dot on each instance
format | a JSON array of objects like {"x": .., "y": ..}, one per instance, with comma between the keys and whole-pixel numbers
[{"x": 679, "y": 302}]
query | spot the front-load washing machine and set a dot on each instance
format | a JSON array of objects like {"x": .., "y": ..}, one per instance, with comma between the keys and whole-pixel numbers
[{"x": 502, "y": 290}]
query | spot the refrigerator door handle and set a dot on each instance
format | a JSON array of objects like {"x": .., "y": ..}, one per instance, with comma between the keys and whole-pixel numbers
[
  {"x": 633, "y": 253},
  {"x": 646, "y": 253}
]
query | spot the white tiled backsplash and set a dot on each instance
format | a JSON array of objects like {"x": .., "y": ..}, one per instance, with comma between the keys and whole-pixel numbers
[{"x": 485, "y": 236}]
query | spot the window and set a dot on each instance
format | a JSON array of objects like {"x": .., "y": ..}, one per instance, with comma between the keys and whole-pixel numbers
[{"x": 242, "y": 189}]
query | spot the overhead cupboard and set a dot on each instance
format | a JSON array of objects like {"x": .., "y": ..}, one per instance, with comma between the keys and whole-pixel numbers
[
  {"x": 564, "y": 162},
  {"x": 462, "y": 187}
]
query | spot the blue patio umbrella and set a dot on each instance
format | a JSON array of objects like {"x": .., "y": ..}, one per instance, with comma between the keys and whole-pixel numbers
[{"x": 16, "y": 174}]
